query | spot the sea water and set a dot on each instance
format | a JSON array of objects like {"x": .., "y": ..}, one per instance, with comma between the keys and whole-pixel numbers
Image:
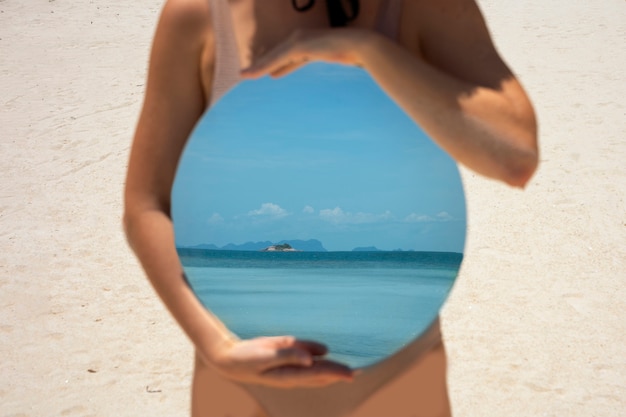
[{"x": 363, "y": 305}]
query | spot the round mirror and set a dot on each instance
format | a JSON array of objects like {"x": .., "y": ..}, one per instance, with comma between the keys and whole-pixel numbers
[{"x": 312, "y": 205}]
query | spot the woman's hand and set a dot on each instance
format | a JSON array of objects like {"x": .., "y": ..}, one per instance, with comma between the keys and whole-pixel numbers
[
  {"x": 340, "y": 46},
  {"x": 280, "y": 361}
]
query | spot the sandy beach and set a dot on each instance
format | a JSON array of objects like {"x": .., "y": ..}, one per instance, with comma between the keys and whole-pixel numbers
[{"x": 535, "y": 325}]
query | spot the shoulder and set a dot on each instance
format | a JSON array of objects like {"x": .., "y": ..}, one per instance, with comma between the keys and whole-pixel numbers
[
  {"x": 184, "y": 23},
  {"x": 175, "y": 84},
  {"x": 183, "y": 42},
  {"x": 187, "y": 15},
  {"x": 184, "y": 27}
]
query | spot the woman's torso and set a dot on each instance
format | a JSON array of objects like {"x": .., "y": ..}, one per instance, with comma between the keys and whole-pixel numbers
[{"x": 410, "y": 380}]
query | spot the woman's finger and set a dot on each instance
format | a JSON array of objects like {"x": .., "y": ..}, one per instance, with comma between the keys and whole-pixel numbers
[
  {"x": 275, "y": 64},
  {"x": 315, "y": 348},
  {"x": 282, "y": 59},
  {"x": 284, "y": 342},
  {"x": 292, "y": 352},
  {"x": 271, "y": 61},
  {"x": 321, "y": 373},
  {"x": 288, "y": 68}
]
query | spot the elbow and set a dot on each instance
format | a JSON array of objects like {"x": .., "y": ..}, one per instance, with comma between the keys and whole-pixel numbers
[
  {"x": 522, "y": 157},
  {"x": 131, "y": 220},
  {"x": 138, "y": 215},
  {"x": 518, "y": 172},
  {"x": 128, "y": 219}
]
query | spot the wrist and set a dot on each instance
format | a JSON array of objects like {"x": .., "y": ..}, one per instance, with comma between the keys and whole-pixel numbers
[
  {"x": 223, "y": 344},
  {"x": 212, "y": 349}
]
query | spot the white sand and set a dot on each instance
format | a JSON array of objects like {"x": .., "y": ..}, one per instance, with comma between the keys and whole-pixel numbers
[{"x": 536, "y": 323}]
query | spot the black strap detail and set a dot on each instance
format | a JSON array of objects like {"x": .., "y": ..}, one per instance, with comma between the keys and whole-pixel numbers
[{"x": 336, "y": 13}]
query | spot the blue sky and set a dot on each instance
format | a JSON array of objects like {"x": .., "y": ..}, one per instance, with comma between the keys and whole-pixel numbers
[{"x": 322, "y": 153}]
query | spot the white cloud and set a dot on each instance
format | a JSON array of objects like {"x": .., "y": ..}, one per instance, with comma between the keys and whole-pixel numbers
[
  {"x": 215, "y": 218},
  {"x": 270, "y": 210},
  {"x": 416, "y": 218},
  {"x": 308, "y": 209},
  {"x": 337, "y": 215},
  {"x": 442, "y": 216}
]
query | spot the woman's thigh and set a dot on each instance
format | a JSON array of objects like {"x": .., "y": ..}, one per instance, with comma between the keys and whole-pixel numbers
[{"x": 421, "y": 391}]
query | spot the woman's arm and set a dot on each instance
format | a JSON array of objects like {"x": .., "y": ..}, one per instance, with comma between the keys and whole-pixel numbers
[
  {"x": 174, "y": 102},
  {"x": 447, "y": 76},
  {"x": 456, "y": 86}
]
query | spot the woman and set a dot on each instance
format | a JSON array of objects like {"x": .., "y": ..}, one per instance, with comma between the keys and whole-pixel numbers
[{"x": 435, "y": 59}]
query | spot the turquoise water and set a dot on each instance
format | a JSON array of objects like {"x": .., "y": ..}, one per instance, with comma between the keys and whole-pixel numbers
[{"x": 363, "y": 305}]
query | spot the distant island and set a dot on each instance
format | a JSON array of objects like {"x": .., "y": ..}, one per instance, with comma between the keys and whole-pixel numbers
[
  {"x": 285, "y": 247},
  {"x": 366, "y": 249}
]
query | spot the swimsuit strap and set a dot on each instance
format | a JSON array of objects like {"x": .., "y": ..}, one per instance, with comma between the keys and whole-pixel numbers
[
  {"x": 226, "y": 63},
  {"x": 388, "y": 21}
]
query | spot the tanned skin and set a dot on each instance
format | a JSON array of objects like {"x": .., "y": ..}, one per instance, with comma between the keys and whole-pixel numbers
[{"x": 445, "y": 73}]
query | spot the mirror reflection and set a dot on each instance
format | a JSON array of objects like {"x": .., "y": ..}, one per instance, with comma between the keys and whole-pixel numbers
[{"x": 311, "y": 205}]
